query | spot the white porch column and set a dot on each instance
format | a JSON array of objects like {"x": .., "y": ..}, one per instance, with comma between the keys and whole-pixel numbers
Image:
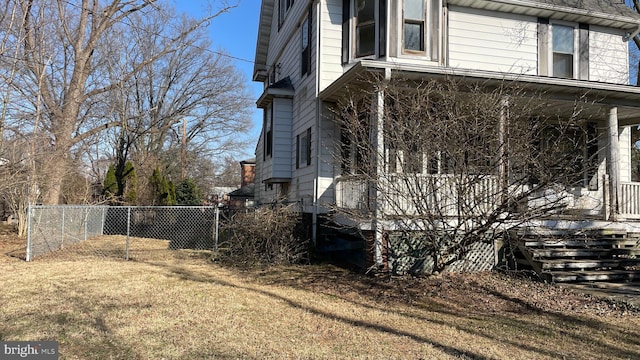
[
  {"x": 502, "y": 145},
  {"x": 613, "y": 162},
  {"x": 378, "y": 144}
]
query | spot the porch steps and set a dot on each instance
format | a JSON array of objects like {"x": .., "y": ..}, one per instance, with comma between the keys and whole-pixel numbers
[{"x": 579, "y": 255}]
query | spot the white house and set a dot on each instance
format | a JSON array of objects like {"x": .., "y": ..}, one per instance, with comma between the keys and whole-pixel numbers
[{"x": 309, "y": 51}]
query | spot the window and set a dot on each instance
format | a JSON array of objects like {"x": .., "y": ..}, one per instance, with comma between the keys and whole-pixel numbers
[
  {"x": 303, "y": 149},
  {"x": 365, "y": 27},
  {"x": 563, "y": 51},
  {"x": 285, "y": 5},
  {"x": 268, "y": 131},
  {"x": 414, "y": 25},
  {"x": 305, "y": 31}
]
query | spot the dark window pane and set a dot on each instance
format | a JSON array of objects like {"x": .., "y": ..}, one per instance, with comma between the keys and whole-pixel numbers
[
  {"x": 413, "y": 37},
  {"x": 365, "y": 40},
  {"x": 365, "y": 10}
]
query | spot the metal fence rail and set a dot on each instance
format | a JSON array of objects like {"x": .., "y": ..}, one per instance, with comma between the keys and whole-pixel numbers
[{"x": 120, "y": 231}]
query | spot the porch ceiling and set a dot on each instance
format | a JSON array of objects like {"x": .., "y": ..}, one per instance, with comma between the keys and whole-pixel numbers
[{"x": 561, "y": 93}]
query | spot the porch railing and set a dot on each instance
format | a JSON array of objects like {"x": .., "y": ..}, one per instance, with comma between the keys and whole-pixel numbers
[
  {"x": 630, "y": 199},
  {"x": 442, "y": 195}
]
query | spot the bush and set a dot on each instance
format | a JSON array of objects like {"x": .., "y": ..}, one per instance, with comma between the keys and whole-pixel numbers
[{"x": 266, "y": 236}]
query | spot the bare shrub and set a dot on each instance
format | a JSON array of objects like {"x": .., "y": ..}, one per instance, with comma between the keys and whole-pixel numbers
[{"x": 266, "y": 236}]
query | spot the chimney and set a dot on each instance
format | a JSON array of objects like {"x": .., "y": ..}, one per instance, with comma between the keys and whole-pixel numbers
[{"x": 248, "y": 171}]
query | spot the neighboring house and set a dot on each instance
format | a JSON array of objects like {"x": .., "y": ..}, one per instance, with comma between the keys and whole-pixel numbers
[
  {"x": 220, "y": 194},
  {"x": 309, "y": 52},
  {"x": 244, "y": 196}
]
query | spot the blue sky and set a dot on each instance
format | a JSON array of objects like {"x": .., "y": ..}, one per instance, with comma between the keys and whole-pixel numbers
[{"x": 235, "y": 33}]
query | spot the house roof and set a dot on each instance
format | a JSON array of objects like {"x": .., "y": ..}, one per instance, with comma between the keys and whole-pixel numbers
[
  {"x": 251, "y": 161},
  {"x": 609, "y": 13},
  {"x": 601, "y": 6},
  {"x": 283, "y": 88},
  {"x": 245, "y": 191},
  {"x": 260, "y": 68}
]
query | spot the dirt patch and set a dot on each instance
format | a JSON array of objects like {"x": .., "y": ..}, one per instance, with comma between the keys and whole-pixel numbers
[
  {"x": 480, "y": 292},
  {"x": 12, "y": 247}
]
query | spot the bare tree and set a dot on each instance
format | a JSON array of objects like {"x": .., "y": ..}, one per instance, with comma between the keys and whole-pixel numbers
[
  {"x": 444, "y": 164},
  {"x": 190, "y": 104},
  {"x": 64, "y": 56}
]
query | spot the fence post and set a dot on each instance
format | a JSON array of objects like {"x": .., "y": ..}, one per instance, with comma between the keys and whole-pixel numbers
[
  {"x": 128, "y": 231},
  {"x": 86, "y": 219},
  {"x": 28, "y": 256},
  {"x": 62, "y": 227},
  {"x": 104, "y": 215},
  {"x": 215, "y": 243}
]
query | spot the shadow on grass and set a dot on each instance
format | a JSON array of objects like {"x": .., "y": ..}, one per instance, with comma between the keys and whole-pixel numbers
[
  {"x": 523, "y": 318},
  {"x": 185, "y": 274},
  {"x": 64, "y": 323}
]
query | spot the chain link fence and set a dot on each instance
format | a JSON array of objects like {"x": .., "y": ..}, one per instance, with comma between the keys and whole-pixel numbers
[{"x": 127, "y": 232}]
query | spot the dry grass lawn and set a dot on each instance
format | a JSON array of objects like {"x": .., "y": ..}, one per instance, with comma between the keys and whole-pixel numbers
[{"x": 178, "y": 305}]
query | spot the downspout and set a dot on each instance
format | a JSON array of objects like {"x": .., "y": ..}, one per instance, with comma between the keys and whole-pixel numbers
[{"x": 316, "y": 190}]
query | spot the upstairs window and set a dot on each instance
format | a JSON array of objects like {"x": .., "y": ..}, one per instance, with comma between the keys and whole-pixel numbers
[
  {"x": 365, "y": 27},
  {"x": 563, "y": 51},
  {"x": 414, "y": 25},
  {"x": 284, "y": 5},
  {"x": 305, "y": 30}
]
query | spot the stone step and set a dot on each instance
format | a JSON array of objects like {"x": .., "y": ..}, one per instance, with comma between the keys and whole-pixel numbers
[
  {"x": 583, "y": 264},
  {"x": 574, "y": 276}
]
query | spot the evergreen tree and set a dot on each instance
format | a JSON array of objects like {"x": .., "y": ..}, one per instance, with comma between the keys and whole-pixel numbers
[
  {"x": 188, "y": 193},
  {"x": 131, "y": 183},
  {"x": 110, "y": 184},
  {"x": 165, "y": 191}
]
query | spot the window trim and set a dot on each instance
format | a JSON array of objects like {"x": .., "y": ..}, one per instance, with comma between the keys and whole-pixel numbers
[
  {"x": 283, "y": 9},
  {"x": 303, "y": 155},
  {"x": 374, "y": 23},
  {"x": 426, "y": 10},
  {"x": 305, "y": 55},
  {"x": 576, "y": 49},
  {"x": 268, "y": 132}
]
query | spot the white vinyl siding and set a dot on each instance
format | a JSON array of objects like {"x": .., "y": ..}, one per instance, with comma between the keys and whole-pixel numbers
[
  {"x": 493, "y": 41},
  {"x": 331, "y": 42},
  {"x": 282, "y": 138},
  {"x": 608, "y": 56},
  {"x": 327, "y": 155}
]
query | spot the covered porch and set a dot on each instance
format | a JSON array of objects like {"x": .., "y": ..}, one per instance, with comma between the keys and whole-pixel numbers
[{"x": 606, "y": 193}]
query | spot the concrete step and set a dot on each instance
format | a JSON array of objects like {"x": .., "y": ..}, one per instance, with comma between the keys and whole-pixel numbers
[
  {"x": 580, "y": 243},
  {"x": 584, "y": 264},
  {"x": 575, "y": 276},
  {"x": 583, "y": 253}
]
